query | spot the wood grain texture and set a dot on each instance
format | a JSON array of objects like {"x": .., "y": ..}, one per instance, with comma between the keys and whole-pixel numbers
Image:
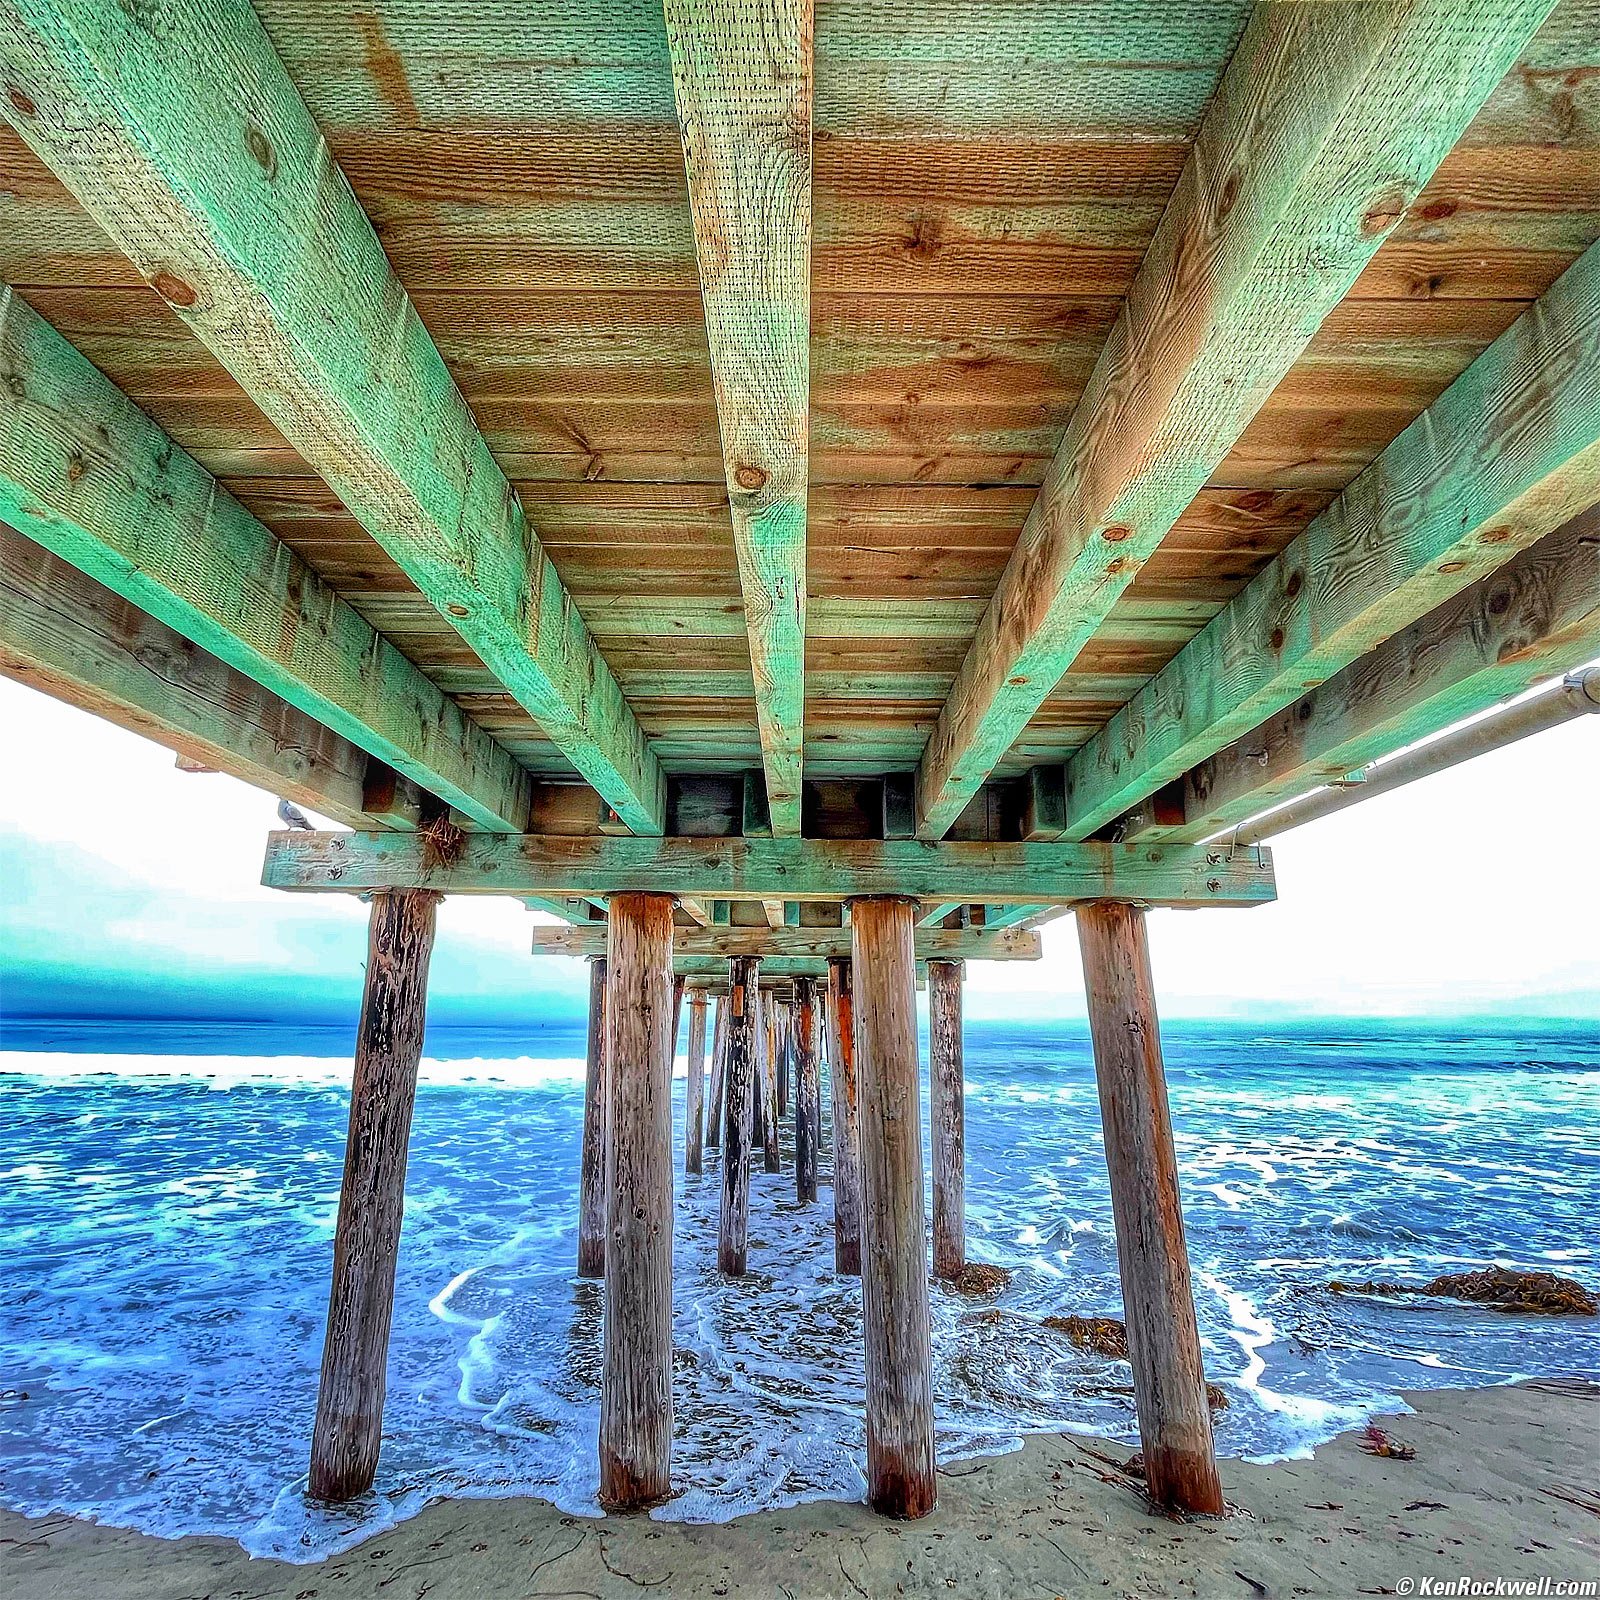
[
  {"x": 1327, "y": 123},
  {"x": 808, "y": 1095},
  {"x": 1535, "y": 617},
  {"x": 947, "y": 1099},
  {"x": 596, "y": 1122},
  {"x": 65, "y": 634},
  {"x": 89, "y": 476},
  {"x": 894, "y": 1250},
  {"x": 842, "y": 1086},
  {"x": 802, "y": 869},
  {"x": 366, "y": 1239},
  {"x": 742, "y": 71},
  {"x": 1508, "y": 453},
  {"x": 1169, "y": 1381},
  {"x": 185, "y": 138},
  {"x": 769, "y": 1105},
  {"x": 636, "y": 1377},
  {"x": 744, "y": 1043},
  {"x": 694, "y": 1089},
  {"x": 956, "y": 944},
  {"x": 719, "y": 1072}
]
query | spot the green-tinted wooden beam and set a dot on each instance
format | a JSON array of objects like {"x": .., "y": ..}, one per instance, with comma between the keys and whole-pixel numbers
[
  {"x": 754, "y": 869},
  {"x": 742, "y": 72},
  {"x": 950, "y": 944},
  {"x": 72, "y": 638},
  {"x": 1534, "y": 618},
  {"x": 1328, "y": 121},
  {"x": 85, "y": 473},
  {"x": 1509, "y": 452},
  {"x": 931, "y": 916},
  {"x": 177, "y": 127}
]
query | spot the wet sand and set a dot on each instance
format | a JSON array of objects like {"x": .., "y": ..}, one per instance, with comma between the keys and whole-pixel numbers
[{"x": 1505, "y": 1483}]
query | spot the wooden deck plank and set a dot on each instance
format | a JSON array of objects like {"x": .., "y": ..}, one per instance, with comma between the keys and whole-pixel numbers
[
  {"x": 85, "y": 473},
  {"x": 189, "y": 143},
  {"x": 1509, "y": 452},
  {"x": 742, "y": 71}
]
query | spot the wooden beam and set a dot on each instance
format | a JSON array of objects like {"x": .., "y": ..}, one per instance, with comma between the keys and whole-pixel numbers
[
  {"x": 807, "y": 869},
  {"x": 948, "y": 944},
  {"x": 1327, "y": 123},
  {"x": 1510, "y": 451},
  {"x": 65, "y": 634},
  {"x": 85, "y": 473},
  {"x": 1535, "y": 617},
  {"x": 742, "y": 73},
  {"x": 180, "y": 131}
]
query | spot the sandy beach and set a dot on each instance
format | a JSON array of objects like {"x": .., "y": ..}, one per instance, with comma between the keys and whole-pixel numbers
[{"x": 1505, "y": 1483}]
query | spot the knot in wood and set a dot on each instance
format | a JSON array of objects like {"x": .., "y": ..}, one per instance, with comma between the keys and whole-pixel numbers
[
  {"x": 261, "y": 151},
  {"x": 21, "y": 103},
  {"x": 748, "y": 477},
  {"x": 173, "y": 289},
  {"x": 1384, "y": 212}
]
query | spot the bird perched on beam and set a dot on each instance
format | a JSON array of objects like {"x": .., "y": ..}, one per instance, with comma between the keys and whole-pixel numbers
[{"x": 293, "y": 817}]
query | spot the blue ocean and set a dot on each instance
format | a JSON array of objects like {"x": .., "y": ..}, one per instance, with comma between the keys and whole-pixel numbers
[{"x": 166, "y": 1224}]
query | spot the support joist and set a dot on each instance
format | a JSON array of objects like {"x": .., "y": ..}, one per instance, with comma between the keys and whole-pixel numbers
[
  {"x": 742, "y": 70},
  {"x": 806, "y": 869},
  {"x": 180, "y": 131},
  {"x": 1327, "y": 122},
  {"x": 948, "y": 944},
  {"x": 1535, "y": 617},
  {"x": 65, "y": 634},
  {"x": 1510, "y": 451},
  {"x": 85, "y": 473}
]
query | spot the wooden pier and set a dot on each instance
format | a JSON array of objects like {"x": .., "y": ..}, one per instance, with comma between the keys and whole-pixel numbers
[{"x": 804, "y": 499}]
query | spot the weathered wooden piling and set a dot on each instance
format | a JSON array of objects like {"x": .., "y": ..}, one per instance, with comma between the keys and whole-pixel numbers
[
  {"x": 770, "y": 1154},
  {"x": 743, "y": 1042},
  {"x": 785, "y": 1044},
  {"x": 592, "y": 1167},
  {"x": 807, "y": 1099},
  {"x": 1158, "y": 1304},
  {"x": 694, "y": 1089},
  {"x": 678, "y": 982},
  {"x": 947, "y": 1111},
  {"x": 719, "y": 1072},
  {"x": 636, "y": 1378},
  {"x": 846, "y": 1135},
  {"x": 894, "y": 1277},
  {"x": 366, "y": 1241}
]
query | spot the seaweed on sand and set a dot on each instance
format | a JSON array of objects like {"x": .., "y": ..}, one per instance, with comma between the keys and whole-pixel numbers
[
  {"x": 1498, "y": 1288},
  {"x": 980, "y": 1278}
]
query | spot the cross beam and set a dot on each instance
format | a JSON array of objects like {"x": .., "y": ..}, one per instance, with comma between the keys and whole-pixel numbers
[
  {"x": 757, "y": 869},
  {"x": 815, "y": 944},
  {"x": 1327, "y": 123},
  {"x": 179, "y": 129}
]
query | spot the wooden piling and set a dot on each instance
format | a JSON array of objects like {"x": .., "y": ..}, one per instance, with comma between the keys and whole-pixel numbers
[
  {"x": 743, "y": 1041},
  {"x": 636, "y": 1378},
  {"x": 947, "y": 1111},
  {"x": 366, "y": 1241},
  {"x": 846, "y": 1137},
  {"x": 694, "y": 1089},
  {"x": 807, "y": 1099},
  {"x": 719, "y": 1071},
  {"x": 894, "y": 1279},
  {"x": 770, "y": 1155},
  {"x": 678, "y": 982},
  {"x": 1158, "y": 1305},
  {"x": 592, "y": 1167},
  {"x": 785, "y": 1044}
]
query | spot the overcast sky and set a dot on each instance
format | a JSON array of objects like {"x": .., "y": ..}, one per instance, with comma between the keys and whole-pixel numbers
[{"x": 1472, "y": 892}]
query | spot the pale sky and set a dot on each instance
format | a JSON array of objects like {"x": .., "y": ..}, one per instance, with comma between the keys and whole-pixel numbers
[{"x": 1470, "y": 892}]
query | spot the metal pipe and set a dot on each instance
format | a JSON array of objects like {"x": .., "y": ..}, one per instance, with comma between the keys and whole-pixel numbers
[{"x": 1576, "y": 694}]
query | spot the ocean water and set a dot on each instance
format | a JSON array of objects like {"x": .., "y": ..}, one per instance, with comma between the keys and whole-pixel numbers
[{"x": 166, "y": 1225}]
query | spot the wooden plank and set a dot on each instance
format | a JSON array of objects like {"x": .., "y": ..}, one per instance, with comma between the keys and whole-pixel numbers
[
  {"x": 1508, "y": 453},
  {"x": 1535, "y": 617},
  {"x": 749, "y": 869},
  {"x": 184, "y": 137},
  {"x": 1328, "y": 121},
  {"x": 66, "y": 635},
  {"x": 948, "y": 944},
  {"x": 89, "y": 476},
  {"x": 366, "y": 1237},
  {"x": 742, "y": 74}
]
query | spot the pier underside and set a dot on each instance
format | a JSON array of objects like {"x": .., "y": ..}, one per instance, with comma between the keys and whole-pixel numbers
[{"x": 802, "y": 495}]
